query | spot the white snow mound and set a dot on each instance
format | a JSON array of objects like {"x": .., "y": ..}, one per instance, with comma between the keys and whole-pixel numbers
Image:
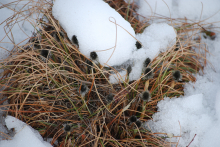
[{"x": 93, "y": 23}]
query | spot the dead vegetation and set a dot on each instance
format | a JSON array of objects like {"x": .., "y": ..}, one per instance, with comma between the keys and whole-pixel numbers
[{"x": 51, "y": 86}]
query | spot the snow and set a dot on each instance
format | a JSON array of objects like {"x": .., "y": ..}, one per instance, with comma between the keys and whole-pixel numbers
[
  {"x": 2, "y": 120},
  {"x": 97, "y": 33},
  {"x": 25, "y": 135},
  {"x": 18, "y": 31},
  {"x": 189, "y": 112},
  {"x": 217, "y": 104},
  {"x": 194, "y": 10},
  {"x": 197, "y": 112},
  {"x": 156, "y": 38}
]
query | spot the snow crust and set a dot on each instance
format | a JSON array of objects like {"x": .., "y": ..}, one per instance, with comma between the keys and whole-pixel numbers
[
  {"x": 94, "y": 25},
  {"x": 25, "y": 135}
]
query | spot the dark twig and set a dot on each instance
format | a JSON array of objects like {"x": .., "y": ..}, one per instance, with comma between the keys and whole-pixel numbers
[{"x": 191, "y": 140}]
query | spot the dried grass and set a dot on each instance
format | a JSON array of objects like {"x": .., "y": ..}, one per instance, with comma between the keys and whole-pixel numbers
[{"x": 46, "y": 92}]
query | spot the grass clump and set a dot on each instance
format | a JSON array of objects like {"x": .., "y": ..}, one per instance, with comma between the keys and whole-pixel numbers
[{"x": 49, "y": 83}]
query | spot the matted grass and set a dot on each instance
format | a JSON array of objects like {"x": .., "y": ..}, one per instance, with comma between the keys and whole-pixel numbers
[{"x": 46, "y": 92}]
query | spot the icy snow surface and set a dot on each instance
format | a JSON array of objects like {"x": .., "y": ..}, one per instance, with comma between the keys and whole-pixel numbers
[{"x": 25, "y": 135}]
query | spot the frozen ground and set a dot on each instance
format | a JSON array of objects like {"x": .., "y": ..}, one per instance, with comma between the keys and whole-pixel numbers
[{"x": 198, "y": 112}]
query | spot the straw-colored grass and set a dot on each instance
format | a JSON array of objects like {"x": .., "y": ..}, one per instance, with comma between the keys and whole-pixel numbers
[{"x": 46, "y": 92}]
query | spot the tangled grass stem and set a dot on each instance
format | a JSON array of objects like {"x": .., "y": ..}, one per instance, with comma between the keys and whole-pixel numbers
[{"x": 45, "y": 93}]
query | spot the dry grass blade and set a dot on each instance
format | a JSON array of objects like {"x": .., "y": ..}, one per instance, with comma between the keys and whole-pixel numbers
[{"x": 43, "y": 81}]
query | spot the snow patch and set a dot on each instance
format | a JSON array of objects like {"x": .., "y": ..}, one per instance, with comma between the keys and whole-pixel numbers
[
  {"x": 195, "y": 10},
  {"x": 156, "y": 38},
  {"x": 25, "y": 135},
  {"x": 187, "y": 114}
]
